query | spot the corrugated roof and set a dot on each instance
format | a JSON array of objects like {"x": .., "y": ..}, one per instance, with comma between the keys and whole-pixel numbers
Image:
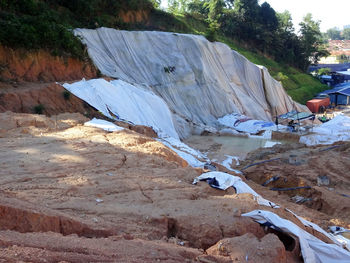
[{"x": 345, "y": 91}]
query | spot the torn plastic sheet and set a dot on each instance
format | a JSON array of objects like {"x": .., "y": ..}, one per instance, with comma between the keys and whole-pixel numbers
[
  {"x": 223, "y": 181},
  {"x": 102, "y": 124},
  {"x": 313, "y": 249},
  {"x": 314, "y": 226},
  {"x": 120, "y": 100}
]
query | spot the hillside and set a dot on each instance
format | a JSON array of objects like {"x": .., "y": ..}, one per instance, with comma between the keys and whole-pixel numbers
[{"x": 35, "y": 25}]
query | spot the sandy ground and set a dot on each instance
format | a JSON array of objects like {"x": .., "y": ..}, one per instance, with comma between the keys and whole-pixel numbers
[{"x": 79, "y": 194}]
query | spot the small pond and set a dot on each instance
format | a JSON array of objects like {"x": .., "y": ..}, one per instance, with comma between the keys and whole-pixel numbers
[{"x": 217, "y": 147}]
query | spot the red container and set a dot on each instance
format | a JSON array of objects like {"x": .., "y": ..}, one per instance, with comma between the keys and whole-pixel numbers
[{"x": 318, "y": 105}]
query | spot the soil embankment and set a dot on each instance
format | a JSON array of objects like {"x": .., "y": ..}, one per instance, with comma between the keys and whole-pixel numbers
[
  {"x": 41, "y": 98},
  {"x": 19, "y": 65}
]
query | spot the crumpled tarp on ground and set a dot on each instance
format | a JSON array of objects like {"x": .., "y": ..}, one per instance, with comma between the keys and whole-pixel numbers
[
  {"x": 337, "y": 129},
  {"x": 245, "y": 124},
  {"x": 206, "y": 81},
  {"x": 313, "y": 249},
  {"x": 223, "y": 181}
]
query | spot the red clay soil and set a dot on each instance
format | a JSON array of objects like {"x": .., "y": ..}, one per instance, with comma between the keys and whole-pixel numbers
[
  {"x": 20, "y": 65},
  {"x": 74, "y": 193},
  {"x": 25, "y": 97}
]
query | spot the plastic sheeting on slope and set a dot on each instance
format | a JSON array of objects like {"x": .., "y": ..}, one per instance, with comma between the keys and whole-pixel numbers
[
  {"x": 209, "y": 80},
  {"x": 337, "y": 129},
  {"x": 337, "y": 233},
  {"x": 190, "y": 155},
  {"x": 102, "y": 124},
  {"x": 313, "y": 249},
  {"x": 223, "y": 181},
  {"x": 316, "y": 227},
  {"x": 120, "y": 100}
]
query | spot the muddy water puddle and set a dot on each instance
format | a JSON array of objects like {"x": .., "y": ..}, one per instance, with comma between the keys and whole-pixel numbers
[{"x": 219, "y": 147}]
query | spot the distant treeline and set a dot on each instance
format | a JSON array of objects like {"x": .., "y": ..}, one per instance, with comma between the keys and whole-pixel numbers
[
  {"x": 260, "y": 26},
  {"x": 335, "y": 34},
  {"x": 34, "y": 24}
]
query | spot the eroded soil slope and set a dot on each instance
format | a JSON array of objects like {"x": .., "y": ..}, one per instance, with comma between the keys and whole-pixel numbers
[
  {"x": 314, "y": 177},
  {"x": 20, "y": 65},
  {"x": 76, "y": 193}
]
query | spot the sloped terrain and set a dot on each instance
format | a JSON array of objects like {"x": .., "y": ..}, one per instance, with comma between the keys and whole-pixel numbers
[
  {"x": 77, "y": 193},
  {"x": 200, "y": 81}
]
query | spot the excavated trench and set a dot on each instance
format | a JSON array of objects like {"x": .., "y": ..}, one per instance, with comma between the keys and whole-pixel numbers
[{"x": 314, "y": 177}]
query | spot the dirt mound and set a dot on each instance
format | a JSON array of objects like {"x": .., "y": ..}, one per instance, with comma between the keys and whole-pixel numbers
[
  {"x": 250, "y": 248},
  {"x": 20, "y": 65}
]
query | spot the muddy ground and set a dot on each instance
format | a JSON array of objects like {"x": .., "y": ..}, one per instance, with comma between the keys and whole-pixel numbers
[{"x": 79, "y": 194}]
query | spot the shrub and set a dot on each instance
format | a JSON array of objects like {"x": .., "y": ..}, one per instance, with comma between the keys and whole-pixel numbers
[
  {"x": 38, "y": 109},
  {"x": 66, "y": 94}
]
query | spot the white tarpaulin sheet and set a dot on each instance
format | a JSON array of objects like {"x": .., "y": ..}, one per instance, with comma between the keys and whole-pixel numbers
[
  {"x": 102, "y": 124},
  {"x": 120, "y": 100},
  {"x": 199, "y": 80},
  {"x": 313, "y": 249},
  {"x": 225, "y": 180},
  {"x": 337, "y": 129}
]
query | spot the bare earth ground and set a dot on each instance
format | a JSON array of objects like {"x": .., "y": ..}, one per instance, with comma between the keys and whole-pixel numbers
[{"x": 79, "y": 194}]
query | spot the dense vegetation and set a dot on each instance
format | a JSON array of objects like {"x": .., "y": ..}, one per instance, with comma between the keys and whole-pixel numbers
[
  {"x": 256, "y": 31},
  {"x": 34, "y": 24}
]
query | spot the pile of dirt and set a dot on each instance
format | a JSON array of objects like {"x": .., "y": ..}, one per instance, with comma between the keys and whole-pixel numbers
[
  {"x": 77, "y": 193},
  {"x": 21, "y": 65}
]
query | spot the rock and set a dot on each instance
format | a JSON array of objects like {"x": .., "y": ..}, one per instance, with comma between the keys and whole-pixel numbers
[
  {"x": 322, "y": 180},
  {"x": 249, "y": 248}
]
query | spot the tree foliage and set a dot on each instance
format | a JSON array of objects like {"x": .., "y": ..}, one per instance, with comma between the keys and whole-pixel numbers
[
  {"x": 34, "y": 24},
  {"x": 262, "y": 28},
  {"x": 313, "y": 47}
]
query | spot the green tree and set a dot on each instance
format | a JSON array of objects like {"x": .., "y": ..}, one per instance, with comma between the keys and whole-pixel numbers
[
  {"x": 246, "y": 15},
  {"x": 346, "y": 34},
  {"x": 323, "y": 71},
  {"x": 215, "y": 8},
  {"x": 311, "y": 41},
  {"x": 156, "y": 3},
  {"x": 333, "y": 33}
]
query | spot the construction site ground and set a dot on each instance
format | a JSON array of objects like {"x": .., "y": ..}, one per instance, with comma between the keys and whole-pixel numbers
[{"x": 72, "y": 193}]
